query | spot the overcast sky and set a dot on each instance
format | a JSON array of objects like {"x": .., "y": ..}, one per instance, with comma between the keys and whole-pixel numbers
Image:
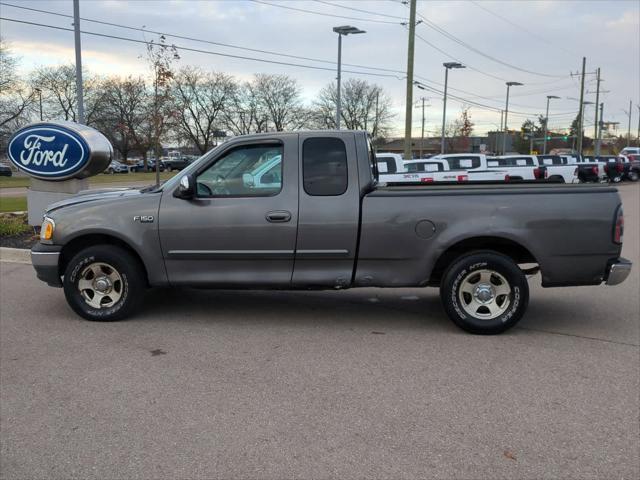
[{"x": 537, "y": 43}]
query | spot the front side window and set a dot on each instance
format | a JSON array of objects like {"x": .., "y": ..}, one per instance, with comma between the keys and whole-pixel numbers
[
  {"x": 246, "y": 171},
  {"x": 324, "y": 166}
]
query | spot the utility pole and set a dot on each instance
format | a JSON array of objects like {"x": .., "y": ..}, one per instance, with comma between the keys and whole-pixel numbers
[
  {"x": 409, "y": 100},
  {"x": 76, "y": 32},
  {"x": 599, "y": 143},
  {"x": 546, "y": 125},
  {"x": 638, "y": 139},
  {"x": 375, "y": 125},
  {"x": 501, "y": 132},
  {"x": 506, "y": 113},
  {"x": 629, "y": 127},
  {"x": 422, "y": 135},
  {"x": 581, "y": 111},
  {"x": 531, "y": 132},
  {"x": 595, "y": 123}
]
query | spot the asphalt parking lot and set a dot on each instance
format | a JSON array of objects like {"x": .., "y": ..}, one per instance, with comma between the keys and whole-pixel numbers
[{"x": 362, "y": 383}]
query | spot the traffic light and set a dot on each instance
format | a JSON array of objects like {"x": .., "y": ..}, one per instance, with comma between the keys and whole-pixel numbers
[
  {"x": 549, "y": 137},
  {"x": 565, "y": 138}
]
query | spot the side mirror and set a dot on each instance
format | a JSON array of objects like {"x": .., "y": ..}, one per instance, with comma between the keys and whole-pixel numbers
[
  {"x": 186, "y": 188},
  {"x": 247, "y": 180}
]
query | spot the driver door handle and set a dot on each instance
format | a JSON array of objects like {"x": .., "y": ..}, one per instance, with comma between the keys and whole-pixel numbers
[{"x": 278, "y": 216}]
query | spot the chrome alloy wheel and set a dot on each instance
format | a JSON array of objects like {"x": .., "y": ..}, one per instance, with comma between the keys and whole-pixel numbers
[
  {"x": 484, "y": 294},
  {"x": 100, "y": 285}
]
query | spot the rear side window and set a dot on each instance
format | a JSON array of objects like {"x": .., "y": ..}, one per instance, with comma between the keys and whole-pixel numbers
[
  {"x": 386, "y": 165},
  {"x": 462, "y": 163},
  {"x": 324, "y": 166}
]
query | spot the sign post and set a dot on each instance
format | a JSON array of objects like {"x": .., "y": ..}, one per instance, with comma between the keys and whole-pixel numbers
[{"x": 59, "y": 157}]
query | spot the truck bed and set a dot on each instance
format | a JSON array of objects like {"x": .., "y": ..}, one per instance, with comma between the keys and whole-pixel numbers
[{"x": 565, "y": 229}]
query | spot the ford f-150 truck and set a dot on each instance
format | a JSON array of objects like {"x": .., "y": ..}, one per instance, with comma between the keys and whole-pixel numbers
[{"x": 322, "y": 222}]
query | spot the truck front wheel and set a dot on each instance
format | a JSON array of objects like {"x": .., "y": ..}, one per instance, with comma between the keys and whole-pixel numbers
[
  {"x": 104, "y": 283},
  {"x": 484, "y": 293}
]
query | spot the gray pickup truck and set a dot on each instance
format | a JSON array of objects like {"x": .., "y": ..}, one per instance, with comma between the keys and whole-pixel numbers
[{"x": 304, "y": 211}]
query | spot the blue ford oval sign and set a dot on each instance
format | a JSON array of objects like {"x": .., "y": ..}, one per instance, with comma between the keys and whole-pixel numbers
[{"x": 59, "y": 150}]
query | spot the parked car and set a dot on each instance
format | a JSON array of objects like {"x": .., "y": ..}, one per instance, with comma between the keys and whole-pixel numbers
[
  {"x": 328, "y": 224},
  {"x": 175, "y": 163},
  {"x": 558, "y": 169},
  {"x": 151, "y": 165},
  {"x": 631, "y": 168},
  {"x": 518, "y": 167},
  {"x": 611, "y": 164},
  {"x": 390, "y": 163},
  {"x": 437, "y": 170},
  {"x": 5, "y": 170},
  {"x": 589, "y": 169},
  {"x": 116, "y": 167},
  {"x": 630, "y": 151}
]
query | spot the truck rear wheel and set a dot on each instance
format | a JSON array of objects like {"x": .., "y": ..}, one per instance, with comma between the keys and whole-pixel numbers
[
  {"x": 484, "y": 293},
  {"x": 104, "y": 283}
]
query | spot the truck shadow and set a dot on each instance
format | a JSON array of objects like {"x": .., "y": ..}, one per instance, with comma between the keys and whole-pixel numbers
[{"x": 374, "y": 308}]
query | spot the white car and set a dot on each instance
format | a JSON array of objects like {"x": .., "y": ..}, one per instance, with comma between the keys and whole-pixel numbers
[
  {"x": 390, "y": 163},
  {"x": 630, "y": 151},
  {"x": 434, "y": 170},
  {"x": 558, "y": 169},
  {"x": 519, "y": 167}
]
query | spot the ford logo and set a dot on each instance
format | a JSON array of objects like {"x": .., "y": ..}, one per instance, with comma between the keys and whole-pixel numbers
[{"x": 49, "y": 151}]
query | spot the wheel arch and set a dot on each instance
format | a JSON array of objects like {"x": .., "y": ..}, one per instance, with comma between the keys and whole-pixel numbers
[
  {"x": 80, "y": 242},
  {"x": 512, "y": 249}
]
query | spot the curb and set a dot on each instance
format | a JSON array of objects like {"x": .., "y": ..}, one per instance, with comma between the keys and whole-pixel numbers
[{"x": 15, "y": 255}]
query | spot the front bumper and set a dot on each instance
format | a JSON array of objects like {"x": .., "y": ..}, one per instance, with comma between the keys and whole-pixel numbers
[
  {"x": 44, "y": 259},
  {"x": 618, "y": 271}
]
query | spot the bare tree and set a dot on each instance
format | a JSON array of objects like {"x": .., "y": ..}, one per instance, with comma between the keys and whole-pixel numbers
[
  {"x": 123, "y": 115},
  {"x": 280, "y": 96},
  {"x": 15, "y": 98},
  {"x": 58, "y": 87},
  {"x": 364, "y": 106},
  {"x": 160, "y": 57},
  {"x": 245, "y": 113},
  {"x": 199, "y": 100}
]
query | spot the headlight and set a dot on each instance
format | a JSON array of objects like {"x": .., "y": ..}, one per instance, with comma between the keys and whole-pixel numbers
[{"x": 47, "y": 229}]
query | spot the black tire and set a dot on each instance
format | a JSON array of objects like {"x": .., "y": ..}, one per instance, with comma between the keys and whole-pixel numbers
[
  {"x": 556, "y": 179},
  {"x": 130, "y": 287},
  {"x": 633, "y": 176},
  {"x": 471, "y": 266}
]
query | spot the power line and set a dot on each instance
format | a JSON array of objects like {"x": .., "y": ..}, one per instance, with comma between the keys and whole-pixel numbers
[
  {"x": 270, "y": 52},
  {"x": 520, "y": 27},
  {"x": 360, "y": 10},
  {"x": 325, "y": 14},
  {"x": 196, "y": 50},
  {"x": 479, "y": 52},
  {"x": 210, "y": 42}
]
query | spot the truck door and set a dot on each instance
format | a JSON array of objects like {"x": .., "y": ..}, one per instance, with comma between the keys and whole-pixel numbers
[
  {"x": 329, "y": 210},
  {"x": 235, "y": 232}
]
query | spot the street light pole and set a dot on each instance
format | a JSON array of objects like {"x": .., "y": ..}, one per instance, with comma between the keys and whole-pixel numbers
[
  {"x": 39, "y": 90},
  {"x": 629, "y": 127},
  {"x": 546, "y": 125},
  {"x": 342, "y": 30},
  {"x": 422, "y": 134},
  {"x": 447, "y": 67},
  {"x": 506, "y": 113},
  {"x": 338, "y": 100}
]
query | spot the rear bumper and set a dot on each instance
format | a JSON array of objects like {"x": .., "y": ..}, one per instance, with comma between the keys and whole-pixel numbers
[
  {"x": 618, "y": 271},
  {"x": 44, "y": 259}
]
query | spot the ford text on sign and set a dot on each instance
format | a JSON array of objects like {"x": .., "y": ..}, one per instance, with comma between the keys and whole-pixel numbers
[{"x": 48, "y": 152}]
